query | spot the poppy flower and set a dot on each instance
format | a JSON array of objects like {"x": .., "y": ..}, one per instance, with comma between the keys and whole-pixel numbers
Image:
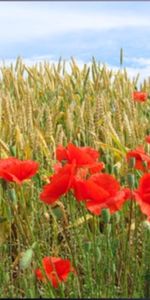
[
  {"x": 15, "y": 170},
  {"x": 114, "y": 203},
  {"x": 139, "y": 96},
  {"x": 140, "y": 158},
  {"x": 56, "y": 270},
  {"x": 60, "y": 184},
  {"x": 80, "y": 161},
  {"x": 82, "y": 156},
  {"x": 142, "y": 194},
  {"x": 147, "y": 139},
  {"x": 100, "y": 191}
]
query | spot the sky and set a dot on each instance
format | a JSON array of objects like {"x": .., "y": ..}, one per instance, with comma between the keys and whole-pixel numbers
[{"x": 39, "y": 31}]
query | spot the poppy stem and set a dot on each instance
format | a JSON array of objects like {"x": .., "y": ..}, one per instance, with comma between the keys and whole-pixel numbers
[
  {"x": 130, "y": 219},
  {"x": 74, "y": 260}
]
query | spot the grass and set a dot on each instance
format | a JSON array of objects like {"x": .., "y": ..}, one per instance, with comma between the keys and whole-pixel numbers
[{"x": 41, "y": 107}]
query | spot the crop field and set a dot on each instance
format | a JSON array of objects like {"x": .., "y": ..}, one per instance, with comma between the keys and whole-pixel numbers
[{"x": 74, "y": 182}]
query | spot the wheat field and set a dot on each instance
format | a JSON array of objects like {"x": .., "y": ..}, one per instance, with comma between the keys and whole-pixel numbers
[{"x": 41, "y": 107}]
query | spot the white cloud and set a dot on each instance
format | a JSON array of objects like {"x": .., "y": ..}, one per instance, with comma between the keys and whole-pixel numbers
[
  {"x": 140, "y": 61},
  {"x": 25, "y": 21}
]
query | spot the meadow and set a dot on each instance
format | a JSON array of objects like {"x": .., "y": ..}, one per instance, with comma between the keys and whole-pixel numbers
[{"x": 42, "y": 107}]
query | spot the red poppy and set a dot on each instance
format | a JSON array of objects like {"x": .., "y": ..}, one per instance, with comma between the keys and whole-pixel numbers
[
  {"x": 60, "y": 184},
  {"x": 113, "y": 203},
  {"x": 79, "y": 161},
  {"x": 139, "y": 96},
  {"x": 88, "y": 189},
  {"x": 140, "y": 158},
  {"x": 100, "y": 191},
  {"x": 142, "y": 194},
  {"x": 147, "y": 139},
  {"x": 56, "y": 270},
  {"x": 82, "y": 156},
  {"x": 15, "y": 170}
]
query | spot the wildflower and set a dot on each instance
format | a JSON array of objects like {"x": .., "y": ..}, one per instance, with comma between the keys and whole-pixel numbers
[
  {"x": 139, "y": 96},
  {"x": 15, "y": 170},
  {"x": 79, "y": 163},
  {"x": 101, "y": 191},
  {"x": 142, "y": 194},
  {"x": 82, "y": 156},
  {"x": 56, "y": 270},
  {"x": 60, "y": 184},
  {"x": 140, "y": 158}
]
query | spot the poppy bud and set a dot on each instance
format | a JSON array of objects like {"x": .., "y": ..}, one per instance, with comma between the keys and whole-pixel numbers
[
  {"x": 108, "y": 229},
  {"x": 131, "y": 180},
  {"x": 132, "y": 162},
  {"x": 116, "y": 217},
  {"x": 115, "y": 171},
  {"x": 106, "y": 215},
  {"x": 12, "y": 195},
  {"x": 87, "y": 246},
  {"x": 26, "y": 259}
]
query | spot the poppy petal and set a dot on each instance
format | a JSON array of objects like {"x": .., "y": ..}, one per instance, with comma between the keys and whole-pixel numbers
[
  {"x": 13, "y": 169},
  {"x": 59, "y": 185},
  {"x": 144, "y": 206},
  {"x": 107, "y": 182},
  {"x": 61, "y": 153},
  {"x": 56, "y": 270}
]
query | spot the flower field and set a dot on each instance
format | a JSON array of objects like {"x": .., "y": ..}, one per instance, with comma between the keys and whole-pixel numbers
[{"x": 74, "y": 182}]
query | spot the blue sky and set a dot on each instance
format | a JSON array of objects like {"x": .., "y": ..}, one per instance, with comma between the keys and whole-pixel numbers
[{"x": 47, "y": 30}]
